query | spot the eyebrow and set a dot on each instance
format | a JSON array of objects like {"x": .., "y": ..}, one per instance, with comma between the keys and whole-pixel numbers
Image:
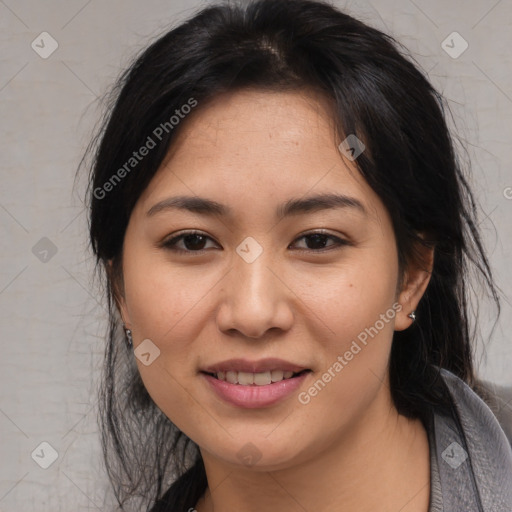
[{"x": 209, "y": 207}]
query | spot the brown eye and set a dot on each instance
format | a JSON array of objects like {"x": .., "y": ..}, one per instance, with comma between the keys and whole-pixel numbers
[
  {"x": 192, "y": 242},
  {"x": 317, "y": 241}
]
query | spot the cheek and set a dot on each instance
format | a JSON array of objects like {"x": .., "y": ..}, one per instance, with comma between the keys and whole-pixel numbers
[
  {"x": 351, "y": 296},
  {"x": 354, "y": 355},
  {"x": 356, "y": 305},
  {"x": 162, "y": 298},
  {"x": 166, "y": 305}
]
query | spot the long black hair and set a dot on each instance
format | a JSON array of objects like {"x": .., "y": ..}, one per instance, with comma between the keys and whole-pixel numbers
[{"x": 379, "y": 94}]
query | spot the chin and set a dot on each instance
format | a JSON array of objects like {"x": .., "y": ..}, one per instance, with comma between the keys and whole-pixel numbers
[{"x": 260, "y": 455}]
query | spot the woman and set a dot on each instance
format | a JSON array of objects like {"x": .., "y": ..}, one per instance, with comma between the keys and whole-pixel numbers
[{"x": 311, "y": 350}]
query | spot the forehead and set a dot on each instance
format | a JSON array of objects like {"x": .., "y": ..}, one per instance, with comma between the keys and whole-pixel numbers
[
  {"x": 258, "y": 146},
  {"x": 254, "y": 119}
]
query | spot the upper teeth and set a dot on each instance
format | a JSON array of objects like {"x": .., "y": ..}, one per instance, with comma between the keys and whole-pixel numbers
[{"x": 260, "y": 379}]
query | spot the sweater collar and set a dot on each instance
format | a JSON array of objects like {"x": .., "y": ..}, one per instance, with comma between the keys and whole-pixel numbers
[{"x": 474, "y": 457}]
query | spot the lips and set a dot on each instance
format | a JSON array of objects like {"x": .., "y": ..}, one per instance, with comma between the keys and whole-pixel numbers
[
  {"x": 257, "y": 394},
  {"x": 254, "y": 384}
]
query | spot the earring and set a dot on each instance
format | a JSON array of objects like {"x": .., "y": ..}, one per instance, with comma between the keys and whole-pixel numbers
[
  {"x": 128, "y": 339},
  {"x": 412, "y": 315}
]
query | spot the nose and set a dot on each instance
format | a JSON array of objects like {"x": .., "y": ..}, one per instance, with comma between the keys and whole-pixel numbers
[{"x": 255, "y": 299}]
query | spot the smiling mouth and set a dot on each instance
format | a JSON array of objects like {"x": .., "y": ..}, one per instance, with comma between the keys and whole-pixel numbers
[{"x": 255, "y": 379}]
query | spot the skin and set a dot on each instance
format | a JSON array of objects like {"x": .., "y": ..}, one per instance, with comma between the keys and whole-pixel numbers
[{"x": 348, "y": 449}]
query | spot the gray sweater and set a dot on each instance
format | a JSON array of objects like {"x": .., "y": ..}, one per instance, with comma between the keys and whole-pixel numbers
[{"x": 470, "y": 456}]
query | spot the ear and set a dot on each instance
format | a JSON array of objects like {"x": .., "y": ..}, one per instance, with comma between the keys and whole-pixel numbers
[
  {"x": 118, "y": 291},
  {"x": 415, "y": 281}
]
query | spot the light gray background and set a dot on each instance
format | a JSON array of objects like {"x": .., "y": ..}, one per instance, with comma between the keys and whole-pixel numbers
[{"x": 52, "y": 314}]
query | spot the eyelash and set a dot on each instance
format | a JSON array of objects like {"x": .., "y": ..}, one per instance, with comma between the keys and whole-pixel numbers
[{"x": 171, "y": 243}]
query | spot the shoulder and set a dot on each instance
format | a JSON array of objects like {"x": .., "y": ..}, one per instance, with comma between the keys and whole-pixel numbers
[
  {"x": 482, "y": 444},
  {"x": 475, "y": 414},
  {"x": 499, "y": 400}
]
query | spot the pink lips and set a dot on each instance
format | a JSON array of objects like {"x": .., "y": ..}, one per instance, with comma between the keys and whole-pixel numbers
[{"x": 253, "y": 396}]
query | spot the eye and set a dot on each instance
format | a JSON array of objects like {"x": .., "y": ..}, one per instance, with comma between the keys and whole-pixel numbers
[
  {"x": 318, "y": 240},
  {"x": 194, "y": 241}
]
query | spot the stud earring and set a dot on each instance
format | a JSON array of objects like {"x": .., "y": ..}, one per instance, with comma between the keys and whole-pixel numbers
[
  {"x": 128, "y": 339},
  {"x": 412, "y": 315}
]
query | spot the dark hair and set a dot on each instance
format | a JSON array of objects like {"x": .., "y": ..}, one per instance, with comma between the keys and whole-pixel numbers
[{"x": 378, "y": 94}]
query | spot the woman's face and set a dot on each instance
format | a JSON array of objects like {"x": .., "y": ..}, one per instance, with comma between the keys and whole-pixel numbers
[{"x": 257, "y": 283}]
